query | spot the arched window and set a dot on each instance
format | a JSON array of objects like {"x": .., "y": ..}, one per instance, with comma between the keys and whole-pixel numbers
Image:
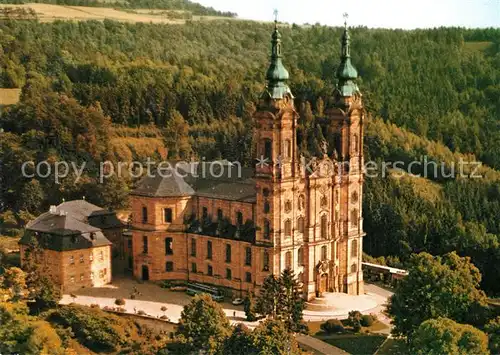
[
  {"x": 288, "y": 206},
  {"x": 267, "y": 229},
  {"x": 239, "y": 218},
  {"x": 301, "y": 202},
  {"x": 288, "y": 228},
  {"x": 168, "y": 246},
  {"x": 267, "y": 207},
  {"x": 288, "y": 260},
  {"x": 300, "y": 256},
  {"x": 300, "y": 224},
  {"x": 324, "y": 226},
  {"x": 324, "y": 254},
  {"x": 354, "y": 248},
  {"x": 354, "y": 217},
  {"x": 265, "y": 261},
  {"x": 354, "y": 268},
  {"x": 220, "y": 215},
  {"x": 144, "y": 214}
]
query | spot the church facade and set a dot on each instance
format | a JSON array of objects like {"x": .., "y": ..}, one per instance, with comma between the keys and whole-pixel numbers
[{"x": 234, "y": 230}]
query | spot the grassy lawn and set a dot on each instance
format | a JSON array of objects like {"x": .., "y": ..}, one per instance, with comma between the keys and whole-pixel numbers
[
  {"x": 394, "y": 347},
  {"x": 362, "y": 344}
]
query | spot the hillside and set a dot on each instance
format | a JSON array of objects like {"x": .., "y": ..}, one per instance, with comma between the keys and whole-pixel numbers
[
  {"x": 119, "y": 91},
  {"x": 187, "y": 6},
  {"x": 51, "y": 12}
]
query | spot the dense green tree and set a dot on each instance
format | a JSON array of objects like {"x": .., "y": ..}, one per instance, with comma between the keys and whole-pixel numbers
[
  {"x": 240, "y": 342},
  {"x": 444, "y": 336},
  {"x": 203, "y": 325},
  {"x": 267, "y": 302},
  {"x": 446, "y": 286},
  {"x": 249, "y": 305},
  {"x": 290, "y": 301},
  {"x": 493, "y": 330},
  {"x": 272, "y": 337},
  {"x": 41, "y": 289}
]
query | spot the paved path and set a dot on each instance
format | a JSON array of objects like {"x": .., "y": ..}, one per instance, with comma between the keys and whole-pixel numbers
[
  {"x": 317, "y": 346},
  {"x": 152, "y": 309},
  {"x": 150, "y": 298}
]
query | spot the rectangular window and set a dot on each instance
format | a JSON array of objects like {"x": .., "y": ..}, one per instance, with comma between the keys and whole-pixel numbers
[
  {"x": 209, "y": 250},
  {"x": 266, "y": 260},
  {"x": 91, "y": 257},
  {"x": 129, "y": 243},
  {"x": 248, "y": 277},
  {"x": 248, "y": 256},
  {"x": 144, "y": 215},
  {"x": 72, "y": 260},
  {"x": 81, "y": 277},
  {"x": 168, "y": 246},
  {"x": 228, "y": 253},
  {"x": 193, "y": 247},
  {"x": 145, "y": 244},
  {"x": 229, "y": 275},
  {"x": 210, "y": 270},
  {"x": 239, "y": 219},
  {"x": 72, "y": 279},
  {"x": 91, "y": 275},
  {"x": 168, "y": 215},
  {"x": 81, "y": 258},
  {"x": 193, "y": 267},
  {"x": 220, "y": 215},
  {"x": 204, "y": 214},
  {"x": 268, "y": 149},
  {"x": 169, "y": 266}
]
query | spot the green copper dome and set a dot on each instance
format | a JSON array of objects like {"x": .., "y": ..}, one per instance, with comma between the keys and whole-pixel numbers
[
  {"x": 277, "y": 75},
  {"x": 346, "y": 73}
]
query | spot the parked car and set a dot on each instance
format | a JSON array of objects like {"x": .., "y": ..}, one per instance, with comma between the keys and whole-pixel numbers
[{"x": 237, "y": 301}]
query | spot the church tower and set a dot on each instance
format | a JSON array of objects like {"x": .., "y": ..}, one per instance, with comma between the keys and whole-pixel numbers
[
  {"x": 277, "y": 170},
  {"x": 346, "y": 117}
]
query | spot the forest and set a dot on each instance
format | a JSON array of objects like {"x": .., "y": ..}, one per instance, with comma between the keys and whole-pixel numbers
[{"x": 94, "y": 91}]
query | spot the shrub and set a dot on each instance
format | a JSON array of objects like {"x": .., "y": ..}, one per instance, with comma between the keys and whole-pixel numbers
[
  {"x": 132, "y": 296},
  {"x": 120, "y": 302},
  {"x": 163, "y": 308},
  {"x": 366, "y": 320},
  {"x": 354, "y": 320},
  {"x": 332, "y": 326},
  {"x": 166, "y": 284},
  {"x": 141, "y": 312},
  {"x": 164, "y": 318},
  {"x": 97, "y": 330},
  {"x": 95, "y": 305}
]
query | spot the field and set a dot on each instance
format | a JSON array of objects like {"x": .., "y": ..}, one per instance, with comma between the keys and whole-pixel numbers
[
  {"x": 49, "y": 13},
  {"x": 9, "y": 96}
]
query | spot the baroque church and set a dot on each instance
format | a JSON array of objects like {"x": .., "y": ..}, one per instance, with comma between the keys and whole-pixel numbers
[{"x": 233, "y": 230}]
